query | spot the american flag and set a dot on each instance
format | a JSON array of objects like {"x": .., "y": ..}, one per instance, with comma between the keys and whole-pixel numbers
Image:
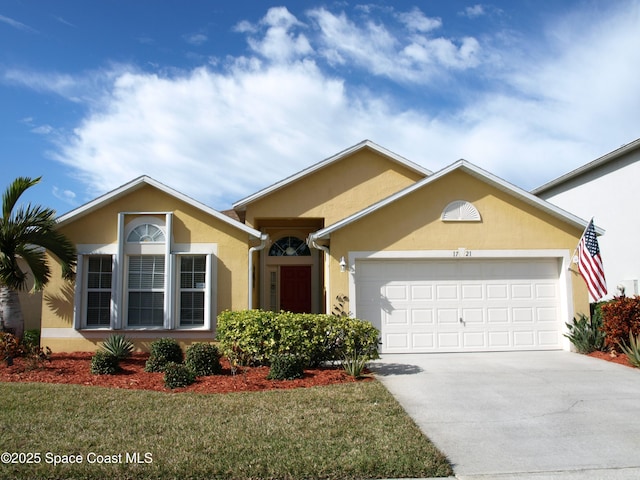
[{"x": 590, "y": 263}]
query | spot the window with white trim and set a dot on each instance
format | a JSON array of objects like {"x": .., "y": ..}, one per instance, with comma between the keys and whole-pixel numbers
[
  {"x": 145, "y": 282},
  {"x": 145, "y": 288},
  {"x": 191, "y": 298},
  {"x": 99, "y": 271}
]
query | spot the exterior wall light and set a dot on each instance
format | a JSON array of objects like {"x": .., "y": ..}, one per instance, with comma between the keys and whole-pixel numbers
[{"x": 343, "y": 265}]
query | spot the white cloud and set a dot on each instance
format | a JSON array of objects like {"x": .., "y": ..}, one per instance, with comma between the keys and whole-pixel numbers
[
  {"x": 219, "y": 135},
  {"x": 196, "y": 39},
  {"x": 278, "y": 44},
  {"x": 67, "y": 196},
  {"x": 17, "y": 25},
  {"x": 410, "y": 55},
  {"x": 474, "y": 11},
  {"x": 416, "y": 21}
]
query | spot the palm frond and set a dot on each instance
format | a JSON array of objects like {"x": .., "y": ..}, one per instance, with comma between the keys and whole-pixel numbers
[{"x": 13, "y": 192}]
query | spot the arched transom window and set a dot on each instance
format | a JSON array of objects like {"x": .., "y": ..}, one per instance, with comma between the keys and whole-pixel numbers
[
  {"x": 289, "y": 247},
  {"x": 146, "y": 233}
]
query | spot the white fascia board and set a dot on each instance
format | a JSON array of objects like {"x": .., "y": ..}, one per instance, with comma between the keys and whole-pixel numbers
[
  {"x": 609, "y": 157},
  {"x": 471, "y": 169},
  {"x": 242, "y": 204},
  {"x": 145, "y": 180}
]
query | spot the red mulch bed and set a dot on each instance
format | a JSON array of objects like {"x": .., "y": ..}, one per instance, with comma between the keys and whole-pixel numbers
[
  {"x": 615, "y": 358},
  {"x": 75, "y": 368}
]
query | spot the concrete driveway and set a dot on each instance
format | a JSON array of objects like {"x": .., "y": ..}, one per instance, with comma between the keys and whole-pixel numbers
[{"x": 514, "y": 415}]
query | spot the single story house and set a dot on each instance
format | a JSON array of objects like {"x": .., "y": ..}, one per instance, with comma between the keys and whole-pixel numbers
[
  {"x": 456, "y": 260},
  {"x": 606, "y": 188}
]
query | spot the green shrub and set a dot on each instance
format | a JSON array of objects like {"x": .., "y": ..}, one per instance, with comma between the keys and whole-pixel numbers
[
  {"x": 104, "y": 363},
  {"x": 177, "y": 375},
  {"x": 586, "y": 335},
  {"x": 31, "y": 339},
  {"x": 621, "y": 317},
  {"x": 203, "y": 359},
  {"x": 286, "y": 367},
  {"x": 260, "y": 335},
  {"x": 163, "y": 351},
  {"x": 118, "y": 345},
  {"x": 632, "y": 350}
]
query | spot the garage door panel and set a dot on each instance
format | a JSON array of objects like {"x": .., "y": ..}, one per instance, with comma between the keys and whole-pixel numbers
[
  {"x": 472, "y": 291},
  {"x": 447, "y": 292},
  {"x": 397, "y": 317},
  {"x": 497, "y": 315},
  {"x": 421, "y": 292},
  {"x": 397, "y": 341},
  {"x": 396, "y": 292},
  {"x": 497, "y": 291},
  {"x": 423, "y": 341},
  {"x": 447, "y": 316},
  {"x": 504, "y": 304},
  {"x": 548, "y": 338},
  {"x": 524, "y": 339},
  {"x": 522, "y": 291},
  {"x": 546, "y": 290},
  {"x": 499, "y": 339},
  {"x": 422, "y": 316},
  {"x": 547, "y": 315},
  {"x": 473, "y": 315},
  {"x": 474, "y": 340},
  {"x": 448, "y": 340}
]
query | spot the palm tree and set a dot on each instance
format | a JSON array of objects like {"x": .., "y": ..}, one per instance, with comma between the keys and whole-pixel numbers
[{"x": 27, "y": 233}]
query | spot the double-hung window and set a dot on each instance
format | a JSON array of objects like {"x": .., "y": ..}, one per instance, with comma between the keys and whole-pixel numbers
[
  {"x": 193, "y": 270},
  {"x": 98, "y": 299},
  {"x": 146, "y": 291}
]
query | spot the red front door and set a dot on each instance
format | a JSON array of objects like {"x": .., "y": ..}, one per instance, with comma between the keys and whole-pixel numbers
[{"x": 295, "y": 288}]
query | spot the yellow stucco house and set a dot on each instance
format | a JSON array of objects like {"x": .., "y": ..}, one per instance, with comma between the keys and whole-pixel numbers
[{"x": 456, "y": 260}]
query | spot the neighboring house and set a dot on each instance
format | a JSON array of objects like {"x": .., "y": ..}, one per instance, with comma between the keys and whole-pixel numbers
[
  {"x": 457, "y": 260},
  {"x": 606, "y": 189}
]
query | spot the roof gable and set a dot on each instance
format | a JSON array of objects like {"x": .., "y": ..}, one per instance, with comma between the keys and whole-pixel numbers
[
  {"x": 589, "y": 167},
  {"x": 366, "y": 144},
  {"x": 140, "y": 182},
  {"x": 473, "y": 170}
]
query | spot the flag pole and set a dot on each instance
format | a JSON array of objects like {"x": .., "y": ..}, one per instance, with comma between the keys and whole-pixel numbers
[{"x": 573, "y": 256}]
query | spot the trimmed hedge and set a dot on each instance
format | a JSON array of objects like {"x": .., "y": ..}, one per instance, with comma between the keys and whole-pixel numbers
[
  {"x": 286, "y": 367},
  {"x": 261, "y": 335},
  {"x": 203, "y": 359},
  {"x": 163, "y": 351}
]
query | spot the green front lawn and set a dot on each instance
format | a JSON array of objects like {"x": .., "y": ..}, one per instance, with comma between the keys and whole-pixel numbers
[{"x": 341, "y": 432}]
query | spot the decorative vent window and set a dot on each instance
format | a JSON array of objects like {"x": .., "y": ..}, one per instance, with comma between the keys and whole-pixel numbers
[
  {"x": 99, "y": 276},
  {"x": 460, "y": 211},
  {"x": 146, "y": 233},
  {"x": 289, "y": 247},
  {"x": 193, "y": 270},
  {"x": 146, "y": 291}
]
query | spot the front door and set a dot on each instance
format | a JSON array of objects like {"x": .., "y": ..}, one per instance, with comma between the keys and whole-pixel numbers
[{"x": 295, "y": 288}]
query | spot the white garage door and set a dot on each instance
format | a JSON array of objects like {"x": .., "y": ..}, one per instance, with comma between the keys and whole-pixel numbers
[{"x": 461, "y": 305}]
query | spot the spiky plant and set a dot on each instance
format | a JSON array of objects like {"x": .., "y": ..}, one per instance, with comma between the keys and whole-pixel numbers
[
  {"x": 632, "y": 351},
  {"x": 118, "y": 346}
]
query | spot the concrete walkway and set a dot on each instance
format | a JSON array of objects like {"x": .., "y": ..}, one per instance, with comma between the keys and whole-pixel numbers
[{"x": 516, "y": 415}]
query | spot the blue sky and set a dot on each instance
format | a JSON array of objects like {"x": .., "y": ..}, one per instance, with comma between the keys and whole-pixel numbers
[{"x": 219, "y": 99}]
